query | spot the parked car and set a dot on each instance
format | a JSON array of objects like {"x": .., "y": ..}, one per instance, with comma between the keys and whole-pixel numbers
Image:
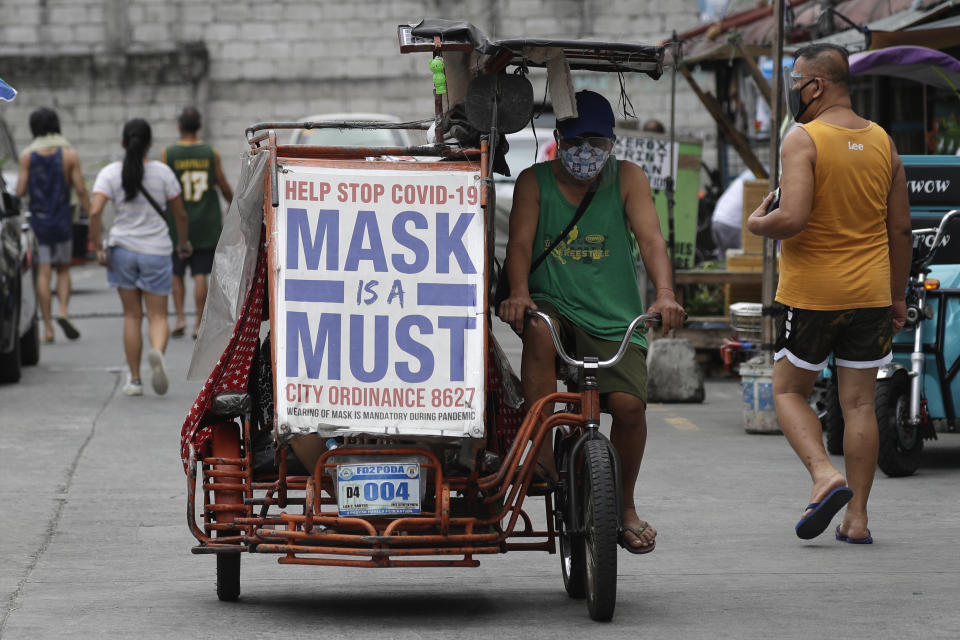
[
  {"x": 19, "y": 325},
  {"x": 351, "y": 137}
]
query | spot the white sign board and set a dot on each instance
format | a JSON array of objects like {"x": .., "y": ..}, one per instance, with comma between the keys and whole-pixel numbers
[
  {"x": 651, "y": 153},
  {"x": 379, "y": 302}
]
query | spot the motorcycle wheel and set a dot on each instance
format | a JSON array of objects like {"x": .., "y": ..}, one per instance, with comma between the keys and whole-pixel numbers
[{"x": 900, "y": 443}]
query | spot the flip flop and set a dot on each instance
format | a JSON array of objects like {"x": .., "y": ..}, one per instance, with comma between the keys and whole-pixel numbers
[
  {"x": 816, "y": 522},
  {"x": 868, "y": 539},
  {"x": 68, "y": 329},
  {"x": 178, "y": 332},
  {"x": 622, "y": 539}
]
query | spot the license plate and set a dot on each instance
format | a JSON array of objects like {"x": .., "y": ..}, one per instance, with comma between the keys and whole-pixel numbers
[{"x": 378, "y": 488}]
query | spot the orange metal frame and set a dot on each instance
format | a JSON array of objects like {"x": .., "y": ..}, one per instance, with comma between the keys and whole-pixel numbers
[{"x": 463, "y": 516}]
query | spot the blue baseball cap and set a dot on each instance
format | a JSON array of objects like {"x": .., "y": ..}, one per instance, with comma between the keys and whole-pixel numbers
[{"x": 595, "y": 116}]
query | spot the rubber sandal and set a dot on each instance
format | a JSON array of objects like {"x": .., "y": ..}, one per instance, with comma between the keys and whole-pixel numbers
[
  {"x": 68, "y": 329},
  {"x": 622, "y": 539},
  {"x": 868, "y": 539},
  {"x": 821, "y": 513},
  {"x": 178, "y": 332}
]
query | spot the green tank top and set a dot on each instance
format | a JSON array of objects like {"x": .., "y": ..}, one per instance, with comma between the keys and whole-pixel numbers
[
  {"x": 193, "y": 165},
  {"x": 591, "y": 277}
]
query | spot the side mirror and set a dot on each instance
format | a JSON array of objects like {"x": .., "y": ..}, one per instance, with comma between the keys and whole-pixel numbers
[{"x": 11, "y": 205}]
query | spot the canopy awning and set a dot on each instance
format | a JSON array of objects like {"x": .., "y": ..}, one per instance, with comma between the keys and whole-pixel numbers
[
  {"x": 750, "y": 33},
  {"x": 591, "y": 55},
  {"x": 921, "y": 64}
]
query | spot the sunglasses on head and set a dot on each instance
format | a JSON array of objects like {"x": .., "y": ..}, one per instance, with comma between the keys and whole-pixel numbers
[{"x": 598, "y": 142}]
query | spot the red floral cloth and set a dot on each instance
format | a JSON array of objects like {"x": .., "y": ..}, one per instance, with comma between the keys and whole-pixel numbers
[
  {"x": 233, "y": 368},
  {"x": 507, "y": 420}
]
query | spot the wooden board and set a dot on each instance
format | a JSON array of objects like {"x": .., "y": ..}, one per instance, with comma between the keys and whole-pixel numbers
[{"x": 754, "y": 191}]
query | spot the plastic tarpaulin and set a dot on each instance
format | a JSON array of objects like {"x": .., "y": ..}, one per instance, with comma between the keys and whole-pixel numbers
[{"x": 233, "y": 266}]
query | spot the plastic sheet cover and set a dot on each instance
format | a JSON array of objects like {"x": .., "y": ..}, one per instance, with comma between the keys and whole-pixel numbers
[{"x": 233, "y": 266}]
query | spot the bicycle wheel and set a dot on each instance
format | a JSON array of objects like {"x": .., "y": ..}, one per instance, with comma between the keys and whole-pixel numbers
[
  {"x": 600, "y": 530},
  {"x": 226, "y": 444},
  {"x": 572, "y": 552}
]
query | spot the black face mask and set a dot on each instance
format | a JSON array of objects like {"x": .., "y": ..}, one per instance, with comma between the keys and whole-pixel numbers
[{"x": 797, "y": 105}]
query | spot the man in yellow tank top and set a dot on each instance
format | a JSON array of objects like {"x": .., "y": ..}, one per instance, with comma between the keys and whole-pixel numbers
[{"x": 844, "y": 223}]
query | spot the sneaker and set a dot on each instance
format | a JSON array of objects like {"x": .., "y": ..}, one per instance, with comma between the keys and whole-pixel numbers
[
  {"x": 159, "y": 378},
  {"x": 133, "y": 387}
]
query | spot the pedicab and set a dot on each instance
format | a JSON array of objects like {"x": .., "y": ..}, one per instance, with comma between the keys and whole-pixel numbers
[{"x": 359, "y": 411}]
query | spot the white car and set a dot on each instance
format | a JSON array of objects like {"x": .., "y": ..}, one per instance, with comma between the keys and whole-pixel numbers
[
  {"x": 525, "y": 150},
  {"x": 334, "y": 137}
]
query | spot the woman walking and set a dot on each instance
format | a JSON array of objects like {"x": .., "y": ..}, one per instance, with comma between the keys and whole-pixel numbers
[{"x": 137, "y": 252}]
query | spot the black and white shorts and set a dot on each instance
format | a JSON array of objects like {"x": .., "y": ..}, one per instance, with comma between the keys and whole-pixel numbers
[{"x": 858, "y": 338}]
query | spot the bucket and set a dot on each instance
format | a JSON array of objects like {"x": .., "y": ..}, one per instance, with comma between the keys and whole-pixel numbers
[
  {"x": 759, "y": 414},
  {"x": 746, "y": 319}
]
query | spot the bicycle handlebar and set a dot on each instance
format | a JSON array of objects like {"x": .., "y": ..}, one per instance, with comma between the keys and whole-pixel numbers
[{"x": 647, "y": 318}]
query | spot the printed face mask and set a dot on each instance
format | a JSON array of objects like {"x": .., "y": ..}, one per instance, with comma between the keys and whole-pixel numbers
[{"x": 584, "y": 161}]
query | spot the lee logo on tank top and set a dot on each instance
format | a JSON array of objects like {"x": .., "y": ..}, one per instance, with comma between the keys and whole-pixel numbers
[{"x": 854, "y": 146}]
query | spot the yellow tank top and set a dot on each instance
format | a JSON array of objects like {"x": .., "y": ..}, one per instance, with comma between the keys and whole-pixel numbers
[{"x": 840, "y": 260}]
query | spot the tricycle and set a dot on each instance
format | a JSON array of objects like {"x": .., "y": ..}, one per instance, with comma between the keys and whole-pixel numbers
[
  {"x": 918, "y": 393},
  {"x": 356, "y": 413}
]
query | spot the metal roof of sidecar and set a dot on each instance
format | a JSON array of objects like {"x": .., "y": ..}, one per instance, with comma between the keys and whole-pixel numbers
[{"x": 592, "y": 55}]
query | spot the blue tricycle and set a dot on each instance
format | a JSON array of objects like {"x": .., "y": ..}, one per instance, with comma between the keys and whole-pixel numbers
[{"x": 917, "y": 394}]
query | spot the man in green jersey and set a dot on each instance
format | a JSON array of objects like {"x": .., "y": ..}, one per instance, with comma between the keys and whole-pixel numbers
[
  {"x": 197, "y": 167},
  {"x": 588, "y": 283}
]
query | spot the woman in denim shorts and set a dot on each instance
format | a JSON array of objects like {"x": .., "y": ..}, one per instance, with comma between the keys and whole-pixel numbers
[{"x": 137, "y": 251}]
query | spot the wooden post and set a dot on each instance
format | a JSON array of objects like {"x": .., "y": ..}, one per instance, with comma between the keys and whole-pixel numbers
[
  {"x": 756, "y": 74},
  {"x": 727, "y": 128},
  {"x": 768, "y": 288}
]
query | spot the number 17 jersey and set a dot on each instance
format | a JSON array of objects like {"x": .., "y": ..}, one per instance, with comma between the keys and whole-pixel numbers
[{"x": 193, "y": 164}]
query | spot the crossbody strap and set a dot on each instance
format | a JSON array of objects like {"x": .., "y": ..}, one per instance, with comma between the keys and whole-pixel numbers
[
  {"x": 587, "y": 197},
  {"x": 156, "y": 205}
]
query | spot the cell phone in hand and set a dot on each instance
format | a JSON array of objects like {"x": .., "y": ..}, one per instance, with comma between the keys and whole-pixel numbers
[{"x": 775, "y": 203}]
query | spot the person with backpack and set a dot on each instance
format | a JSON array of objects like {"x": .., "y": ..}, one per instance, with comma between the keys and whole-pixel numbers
[
  {"x": 49, "y": 167},
  {"x": 137, "y": 251}
]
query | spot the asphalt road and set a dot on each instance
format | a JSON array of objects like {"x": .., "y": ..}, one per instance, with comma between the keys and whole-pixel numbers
[{"x": 96, "y": 543}]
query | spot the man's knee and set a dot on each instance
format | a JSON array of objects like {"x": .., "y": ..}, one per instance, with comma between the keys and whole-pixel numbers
[
  {"x": 626, "y": 408},
  {"x": 537, "y": 342},
  {"x": 857, "y": 397}
]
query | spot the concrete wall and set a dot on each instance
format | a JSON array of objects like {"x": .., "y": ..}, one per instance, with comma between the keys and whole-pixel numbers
[{"x": 100, "y": 62}]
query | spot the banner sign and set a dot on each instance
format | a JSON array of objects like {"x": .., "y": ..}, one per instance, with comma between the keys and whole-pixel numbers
[
  {"x": 379, "y": 302},
  {"x": 933, "y": 184},
  {"x": 651, "y": 153}
]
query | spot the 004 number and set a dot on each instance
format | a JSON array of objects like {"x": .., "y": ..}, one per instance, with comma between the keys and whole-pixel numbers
[{"x": 373, "y": 492}]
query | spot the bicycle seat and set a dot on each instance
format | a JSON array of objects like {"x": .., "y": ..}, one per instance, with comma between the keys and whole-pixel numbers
[{"x": 230, "y": 403}]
